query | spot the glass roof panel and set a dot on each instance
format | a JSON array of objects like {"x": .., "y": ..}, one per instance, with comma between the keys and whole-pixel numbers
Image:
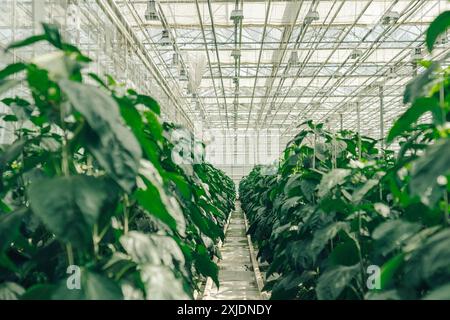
[{"x": 288, "y": 60}]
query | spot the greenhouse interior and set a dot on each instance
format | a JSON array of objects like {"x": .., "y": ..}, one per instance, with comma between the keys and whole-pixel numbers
[{"x": 224, "y": 150}]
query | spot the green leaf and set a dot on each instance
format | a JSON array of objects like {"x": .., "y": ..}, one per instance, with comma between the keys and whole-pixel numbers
[
  {"x": 382, "y": 209},
  {"x": 433, "y": 163},
  {"x": 154, "y": 125},
  {"x": 10, "y": 118},
  {"x": 161, "y": 284},
  {"x": 389, "y": 270},
  {"x": 292, "y": 186},
  {"x": 111, "y": 81},
  {"x": 417, "y": 87},
  {"x": 417, "y": 109},
  {"x": 152, "y": 249},
  {"x": 6, "y": 85},
  {"x": 392, "y": 234},
  {"x": 69, "y": 206},
  {"x": 58, "y": 65},
  {"x": 150, "y": 200},
  {"x": 149, "y": 102},
  {"x": 440, "y": 293},
  {"x": 322, "y": 236},
  {"x": 204, "y": 224},
  {"x": 12, "y": 69},
  {"x": 153, "y": 197},
  {"x": 360, "y": 193},
  {"x": 9, "y": 227},
  {"x": 429, "y": 264},
  {"x": 205, "y": 265},
  {"x": 331, "y": 179},
  {"x": 436, "y": 28},
  {"x": 39, "y": 292},
  {"x": 345, "y": 253},
  {"x": 181, "y": 183},
  {"x": 52, "y": 35},
  {"x": 289, "y": 204},
  {"x": 383, "y": 295},
  {"x": 4, "y": 208},
  {"x": 10, "y": 291},
  {"x": 12, "y": 152},
  {"x": 97, "y": 79},
  {"x": 308, "y": 187},
  {"x": 26, "y": 42},
  {"x": 331, "y": 284},
  {"x": 287, "y": 286},
  {"x": 94, "y": 286},
  {"x": 113, "y": 144},
  {"x": 131, "y": 291}
]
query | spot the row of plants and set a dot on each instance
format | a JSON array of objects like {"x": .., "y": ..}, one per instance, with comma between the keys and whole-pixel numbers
[
  {"x": 339, "y": 218},
  {"x": 99, "y": 199}
]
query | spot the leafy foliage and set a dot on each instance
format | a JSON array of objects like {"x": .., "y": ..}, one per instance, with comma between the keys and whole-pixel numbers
[
  {"x": 91, "y": 180},
  {"x": 336, "y": 205}
]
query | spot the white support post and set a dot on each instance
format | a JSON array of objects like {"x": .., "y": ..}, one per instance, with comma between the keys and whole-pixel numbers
[
  {"x": 358, "y": 129},
  {"x": 381, "y": 118}
]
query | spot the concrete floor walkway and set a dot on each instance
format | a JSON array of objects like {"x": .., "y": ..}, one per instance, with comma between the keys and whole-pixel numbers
[{"x": 236, "y": 276}]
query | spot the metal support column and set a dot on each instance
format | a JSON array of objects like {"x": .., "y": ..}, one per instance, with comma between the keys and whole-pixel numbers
[
  {"x": 381, "y": 117},
  {"x": 358, "y": 129},
  {"x": 38, "y": 12}
]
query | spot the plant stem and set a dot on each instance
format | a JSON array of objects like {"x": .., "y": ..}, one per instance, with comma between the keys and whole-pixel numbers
[
  {"x": 95, "y": 239},
  {"x": 442, "y": 98},
  {"x": 125, "y": 213},
  {"x": 66, "y": 172},
  {"x": 361, "y": 262},
  {"x": 65, "y": 150},
  {"x": 314, "y": 151},
  {"x": 70, "y": 258},
  {"x": 446, "y": 215}
]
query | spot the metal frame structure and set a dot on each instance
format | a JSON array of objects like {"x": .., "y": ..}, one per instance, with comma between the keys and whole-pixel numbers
[
  {"x": 271, "y": 92},
  {"x": 269, "y": 64},
  {"x": 102, "y": 32}
]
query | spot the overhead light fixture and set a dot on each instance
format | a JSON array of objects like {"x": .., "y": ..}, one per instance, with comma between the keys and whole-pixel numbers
[
  {"x": 356, "y": 54},
  {"x": 375, "y": 85},
  {"x": 293, "y": 59},
  {"x": 416, "y": 54},
  {"x": 311, "y": 16},
  {"x": 236, "y": 53},
  {"x": 175, "y": 59},
  {"x": 315, "y": 105},
  {"x": 391, "y": 74},
  {"x": 390, "y": 17},
  {"x": 322, "y": 92},
  {"x": 165, "y": 38},
  {"x": 150, "y": 13},
  {"x": 443, "y": 38},
  {"x": 73, "y": 17},
  {"x": 337, "y": 75},
  {"x": 236, "y": 15},
  {"x": 183, "y": 75}
]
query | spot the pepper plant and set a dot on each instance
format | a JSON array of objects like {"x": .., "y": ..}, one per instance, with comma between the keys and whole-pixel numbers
[
  {"x": 89, "y": 187},
  {"x": 342, "y": 219}
]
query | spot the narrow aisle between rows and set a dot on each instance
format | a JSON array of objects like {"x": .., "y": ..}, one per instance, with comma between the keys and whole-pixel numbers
[{"x": 236, "y": 276}]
